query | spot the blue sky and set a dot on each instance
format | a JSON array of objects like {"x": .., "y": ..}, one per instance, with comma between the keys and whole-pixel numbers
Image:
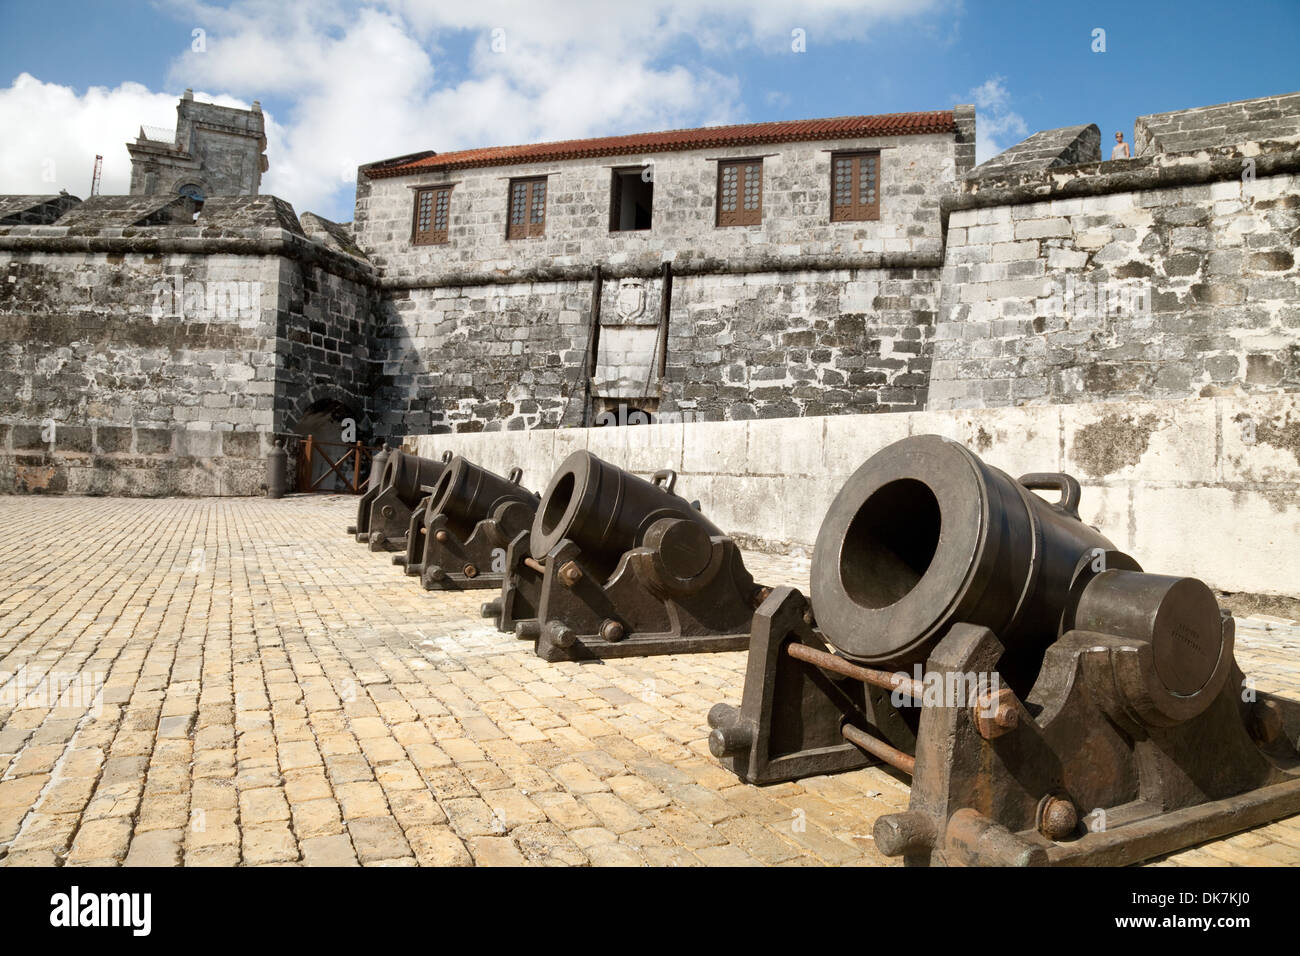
[{"x": 344, "y": 83}]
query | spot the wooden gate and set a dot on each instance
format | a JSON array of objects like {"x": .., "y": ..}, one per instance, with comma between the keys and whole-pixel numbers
[{"x": 348, "y": 466}]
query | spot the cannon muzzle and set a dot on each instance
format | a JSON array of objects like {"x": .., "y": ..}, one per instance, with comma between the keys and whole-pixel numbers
[
  {"x": 626, "y": 567},
  {"x": 466, "y": 494},
  {"x": 387, "y": 507},
  {"x": 605, "y": 510},
  {"x": 471, "y": 516},
  {"x": 408, "y": 474},
  {"x": 925, "y": 534}
]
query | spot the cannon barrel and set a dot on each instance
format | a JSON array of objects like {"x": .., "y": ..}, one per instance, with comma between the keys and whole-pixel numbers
[
  {"x": 467, "y": 493},
  {"x": 407, "y": 474},
  {"x": 605, "y": 510},
  {"x": 925, "y": 535}
]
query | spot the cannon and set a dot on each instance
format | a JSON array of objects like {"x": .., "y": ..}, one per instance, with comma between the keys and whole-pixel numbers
[
  {"x": 361, "y": 530},
  {"x": 469, "y": 520},
  {"x": 1052, "y": 703},
  {"x": 405, "y": 481},
  {"x": 626, "y": 568}
]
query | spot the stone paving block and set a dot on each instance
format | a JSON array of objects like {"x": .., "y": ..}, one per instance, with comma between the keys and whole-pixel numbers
[
  {"x": 333, "y": 850},
  {"x": 170, "y": 811},
  {"x": 378, "y": 838},
  {"x": 101, "y": 839},
  {"x": 268, "y": 843},
  {"x": 46, "y": 831},
  {"x": 495, "y": 851},
  {"x": 615, "y": 854},
  {"x": 263, "y": 805},
  {"x": 155, "y": 848},
  {"x": 316, "y": 818},
  {"x": 437, "y": 846}
]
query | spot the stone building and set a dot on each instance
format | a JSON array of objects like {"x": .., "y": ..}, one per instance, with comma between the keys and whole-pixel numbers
[
  {"x": 775, "y": 270},
  {"x": 765, "y": 270},
  {"x": 213, "y": 151}
]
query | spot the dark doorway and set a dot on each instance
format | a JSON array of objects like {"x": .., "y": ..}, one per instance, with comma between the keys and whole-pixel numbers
[
  {"x": 333, "y": 456},
  {"x": 632, "y": 200}
]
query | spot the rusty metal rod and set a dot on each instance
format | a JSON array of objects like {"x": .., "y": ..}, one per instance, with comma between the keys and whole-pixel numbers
[
  {"x": 878, "y": 748},
  {"x": 829, "y": 662},
  {"x": 535, "y": 565}
]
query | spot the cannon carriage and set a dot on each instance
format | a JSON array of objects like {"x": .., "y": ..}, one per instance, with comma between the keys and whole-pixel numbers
[
  {"x": 617, "y": 566},
  {"x": 384, "y": 513},
  {"x": 1051, "y": 702},
  {"x": 460, "y": 532}
]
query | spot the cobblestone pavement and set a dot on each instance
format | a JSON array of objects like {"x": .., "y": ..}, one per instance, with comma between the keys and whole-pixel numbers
[{"x": 274, "y": 693}]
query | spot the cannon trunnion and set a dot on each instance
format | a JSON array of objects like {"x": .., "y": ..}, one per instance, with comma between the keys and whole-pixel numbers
[
  {"x": 621, "y": 567},
  {"x": 1052, "y": 702}
]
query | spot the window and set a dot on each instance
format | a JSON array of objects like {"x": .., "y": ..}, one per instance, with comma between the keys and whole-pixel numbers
[
  {"x": 740, "y": 193},
  {"x": 631, "y": 199},
  {"x": 855, "y": 186},
  {"x": 432, "y": 212},
  {"x": 527, "y": 213}
]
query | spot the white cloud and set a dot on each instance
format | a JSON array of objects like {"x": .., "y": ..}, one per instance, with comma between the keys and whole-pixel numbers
[
  {"x": 52, "y": 133},
  {"x": 997, "y": 126},
  {"x": 395, "y": 76}
]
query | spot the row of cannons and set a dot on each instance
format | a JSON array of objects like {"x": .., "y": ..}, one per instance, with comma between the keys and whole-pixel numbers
[{"x": 1051, "y": 702}]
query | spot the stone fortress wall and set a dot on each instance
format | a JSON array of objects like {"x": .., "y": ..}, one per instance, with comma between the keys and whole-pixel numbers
[
  {"x": 1169, "y": 275},
  {"x": 971, "y": 290},
  {"x": 144, "y": 352}
]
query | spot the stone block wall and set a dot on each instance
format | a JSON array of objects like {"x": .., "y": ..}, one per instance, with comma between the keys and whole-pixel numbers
[
  {"x": 164, "y": 359},
  {"x": 789, "y": 345},
  {"x": 1266, "y": 119},
  {"x": 325, "y": 347},
  {"x": 464, "y": 358},
  {"x": 1185, "y": 286},
  {"x": 765, "y": 345},
  {"x": 1202, "y": 487},
  {"x": 122, "y": 373}
]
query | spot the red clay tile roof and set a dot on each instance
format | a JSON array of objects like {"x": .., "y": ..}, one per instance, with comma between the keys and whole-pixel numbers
[{"x": 707, "y": 137}]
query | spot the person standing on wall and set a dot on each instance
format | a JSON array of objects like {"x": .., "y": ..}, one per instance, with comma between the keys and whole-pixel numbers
[{"x": 1120, "y": 151}]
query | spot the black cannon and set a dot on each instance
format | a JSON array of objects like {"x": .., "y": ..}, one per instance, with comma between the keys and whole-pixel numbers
[
  {"x": 1052, "y": 702},
  {"x": 469, "y": 520},
  {"x": 361, "y": 530},
  {"x": 405, "y": 481},
  {"x": 626, "y": 568}
]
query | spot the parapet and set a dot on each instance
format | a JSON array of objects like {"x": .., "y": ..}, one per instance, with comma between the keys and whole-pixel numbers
[
  {"x": 248, "y": 212},
  {"x": 1067, "y": 146},
  {"x": 122, "y": 212},
  {"x": 333, "y": 235},
  {"x": 34, "y": 210},
  {"x": 1266, "y": 119}
]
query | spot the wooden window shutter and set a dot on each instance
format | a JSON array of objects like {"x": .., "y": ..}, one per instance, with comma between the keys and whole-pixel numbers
[
  {"x": 740, "y": 193},
  {"x": 527, "y": 213},
  {"x": 432, "y": 215},
  {"x": 855, "y": 187}
]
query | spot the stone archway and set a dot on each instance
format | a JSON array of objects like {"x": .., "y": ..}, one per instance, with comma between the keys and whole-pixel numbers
[{"x": 331, "y": 424}]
